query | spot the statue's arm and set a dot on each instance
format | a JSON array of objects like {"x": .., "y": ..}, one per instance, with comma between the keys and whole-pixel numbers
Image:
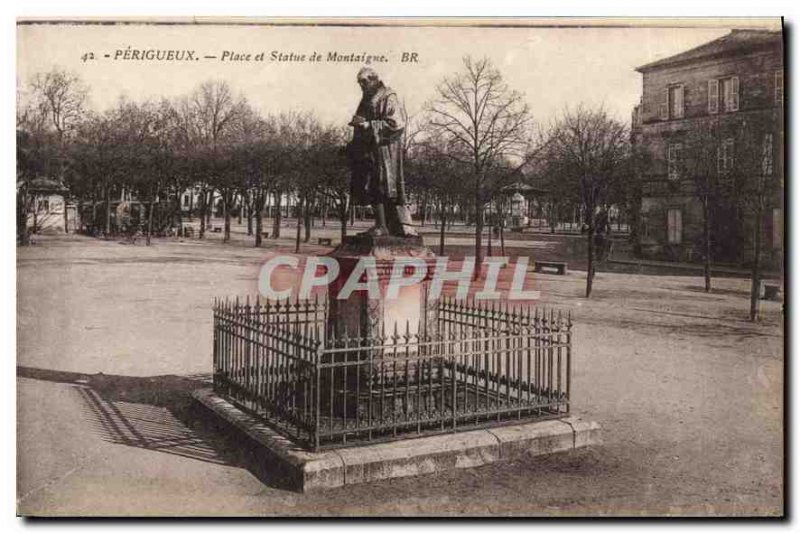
[{"x": 390, "y": 126}]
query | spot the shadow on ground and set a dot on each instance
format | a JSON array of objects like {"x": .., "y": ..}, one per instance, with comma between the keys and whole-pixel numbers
[{"x": 158, "y": 413}]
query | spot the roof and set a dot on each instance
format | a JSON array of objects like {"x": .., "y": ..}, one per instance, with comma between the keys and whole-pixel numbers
[
  {"x": 522, "y": 188},
  {"x": 46, "y": 185},
  {"x": 736, "y": 41}
]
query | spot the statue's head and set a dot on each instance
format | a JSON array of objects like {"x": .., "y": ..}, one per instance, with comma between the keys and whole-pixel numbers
[{"x": 368, "y": 80}]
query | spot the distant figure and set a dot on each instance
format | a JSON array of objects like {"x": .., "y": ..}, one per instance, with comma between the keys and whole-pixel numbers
[{"x": 376, "y": 157}]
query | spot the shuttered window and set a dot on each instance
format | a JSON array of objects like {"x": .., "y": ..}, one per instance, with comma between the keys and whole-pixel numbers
[
  {"x": 730, "y": 93},
  {"x": 663, "y": 107},
  {"x": 713, "y": 96},
  {"x": 674, "y": 226},
  {"x": 676, "y": 101}
]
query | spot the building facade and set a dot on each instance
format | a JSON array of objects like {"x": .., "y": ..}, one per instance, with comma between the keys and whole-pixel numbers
[{"x": 710, "y": 123}]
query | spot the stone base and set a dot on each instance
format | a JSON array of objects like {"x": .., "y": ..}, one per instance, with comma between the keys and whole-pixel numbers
[
  {"x": 364, "y": 244},
  {"x": 424, "y": 455}
]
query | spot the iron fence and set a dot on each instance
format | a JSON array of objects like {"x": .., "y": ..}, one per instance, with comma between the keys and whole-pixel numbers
[{"x": 477, "y": 365}]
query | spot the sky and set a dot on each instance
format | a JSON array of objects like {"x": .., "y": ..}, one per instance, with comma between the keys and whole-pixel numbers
[{"x": 554, "y": 67}]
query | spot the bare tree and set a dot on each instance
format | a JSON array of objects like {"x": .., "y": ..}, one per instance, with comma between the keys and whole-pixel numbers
[
  {"x": 589, "y": 149},
  {"x": 698, "y": 159},
  {"x": 756, "y": 179},
  {"x": 58, "y": 104},
  {"x": 485, "y": 124},
  {"x": 213, "y": 109},
  {"x": 61, "y": 96}
]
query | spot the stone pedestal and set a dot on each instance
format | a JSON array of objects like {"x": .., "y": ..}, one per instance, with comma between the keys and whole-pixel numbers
[
  {"x": 376, "y": 320},
  {"x": 359, "y": 314}
]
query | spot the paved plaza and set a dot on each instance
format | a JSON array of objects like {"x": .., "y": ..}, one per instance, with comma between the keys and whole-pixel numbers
[{"x": 113, "y": 338}]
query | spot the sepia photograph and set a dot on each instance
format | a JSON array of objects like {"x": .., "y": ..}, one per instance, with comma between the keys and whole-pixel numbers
[{"x": 400, "y": 267}]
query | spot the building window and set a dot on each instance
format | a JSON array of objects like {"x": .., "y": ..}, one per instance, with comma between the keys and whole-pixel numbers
[
  {"x": 674, "y": 160},
  {"x": 676, "y": 101},
  {"x": 713, "y": 96},
  {"x": 674, "y": 226},
  {"x": 766, "y": 157},
  {"x": 730, "y": 93},
  {"x": 672, "y": 106},
  {"x": 779, "y": 86},
  {"x": 725, "y": 156}
]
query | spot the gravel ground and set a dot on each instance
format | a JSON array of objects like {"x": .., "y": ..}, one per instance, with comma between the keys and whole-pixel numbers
[{"x": 689, "y": 393}]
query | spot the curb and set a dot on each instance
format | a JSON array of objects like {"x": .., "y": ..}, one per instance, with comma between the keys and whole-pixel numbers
[{"x": 307, "y": 471}]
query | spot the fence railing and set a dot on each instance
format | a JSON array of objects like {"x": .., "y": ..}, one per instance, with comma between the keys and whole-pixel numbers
[{"x": 481, "y": 365}]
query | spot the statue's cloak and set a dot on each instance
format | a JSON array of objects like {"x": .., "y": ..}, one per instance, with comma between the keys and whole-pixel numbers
[{"x": 376, "y": 152}]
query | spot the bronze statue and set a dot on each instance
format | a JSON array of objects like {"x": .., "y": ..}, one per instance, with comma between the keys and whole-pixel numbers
[{"x": 376, "y": 157}]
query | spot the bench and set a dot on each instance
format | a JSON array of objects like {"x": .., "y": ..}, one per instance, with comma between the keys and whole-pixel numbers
[
  {"x": 265, "y": 234},
  {"x": 771, "y": 291},
  {"x": 561, "y": 268},
  {"x": 516, "y": 229},
  {"x": 324, "y": 241},
  {"x": 217, "y": 229}
]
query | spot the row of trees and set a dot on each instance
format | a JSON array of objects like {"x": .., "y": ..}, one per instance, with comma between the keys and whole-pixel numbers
[
  {"x": 732, "y": 168},
  {"x": 470, "y": 142},
  {"x": 211, "y": 140}
]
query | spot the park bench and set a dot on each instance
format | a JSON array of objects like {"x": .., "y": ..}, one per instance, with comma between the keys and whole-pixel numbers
[
  {"x": 771, "y": 291},
  {"x": 516, "y": 229},
  {"x": 265, "y": 234},
  {"x": 560, "y": 267},
  {"x": 324, "y": 241},
  {"x": 217, "y": 230}
]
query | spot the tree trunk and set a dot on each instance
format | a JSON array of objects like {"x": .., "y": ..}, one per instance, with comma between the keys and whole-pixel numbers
[
  {"x": 502, "y": 237},
  {"x": 241, "y": 208},
  {"x": 276, "y": 222},
  {"x": 478, "y": 235},
  {"x": 442, "y": 230},
  {"x": 249, "y": 206},
  {"x": 203, "y": 207},
  {"x": 755, "y": 287},
  {"x": 226, "y": 212},
  {"x": 299, "y": 225},
  {"x": 259, "y": 227},
  {"x": 108, "y": 210},
  {"x": 589, "y": 250},
  {"x": 94, "y": 214},
  {"x": 707, "y": 246},
  {"x": 66, "y": 215},
  {"x": 150, "y": 219},
  {"x": 22, "y": 216},
  {"x": 306, "y": 220}
]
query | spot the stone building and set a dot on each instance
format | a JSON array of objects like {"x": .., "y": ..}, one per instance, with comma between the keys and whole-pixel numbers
[{"x": 723, "y": 99}]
